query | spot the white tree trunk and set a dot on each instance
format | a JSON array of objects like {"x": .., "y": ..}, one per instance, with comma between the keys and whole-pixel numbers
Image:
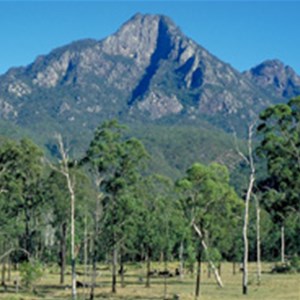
[
  {"x": 73, "y": 258},
  {"x": 245, "y": 236},
  {"x": 181, "y": 261},
  {"x": 64, "y": 169},
  {"x": 213, "y": 267},
  {"x": 246, "y": 213},
  {"x": 249, "y": 161}
]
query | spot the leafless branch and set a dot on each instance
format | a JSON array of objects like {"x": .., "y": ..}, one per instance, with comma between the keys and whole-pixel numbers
[
  {"x": 7, "y": 253},
  {"x": 238, "y": 150}
]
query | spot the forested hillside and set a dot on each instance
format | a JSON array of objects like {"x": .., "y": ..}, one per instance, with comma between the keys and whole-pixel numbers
[{"x": 108, "y": 204}]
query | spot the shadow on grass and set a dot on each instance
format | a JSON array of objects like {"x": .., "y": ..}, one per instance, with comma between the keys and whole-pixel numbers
[{"x": 120, "y": 296}]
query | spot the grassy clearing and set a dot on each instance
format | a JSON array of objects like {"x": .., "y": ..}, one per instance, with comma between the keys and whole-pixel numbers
[{"x": 273, "y": 286}]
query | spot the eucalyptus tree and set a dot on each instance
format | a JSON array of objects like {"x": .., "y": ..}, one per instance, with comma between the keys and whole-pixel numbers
[
  {"x": 57, "y": 194},
  {"x": 21, "y": 164},
  {"x": 159, "y": 219},
  {"x": 280, "y": 147},
  {"x": 10, "y": 230},
  {"x": 211, "y": 207},
  {"x": 64, "y": 168},
  {"x": 118, "y": 161}
]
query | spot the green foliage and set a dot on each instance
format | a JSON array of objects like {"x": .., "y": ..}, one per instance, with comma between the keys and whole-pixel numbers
[
  {"x": 30, "y": 273},
  {"x": 214, "y": 255},
  {"x": 176, "y": 146},
  {"x": 118, "y": 162},
  {"x": 158, "y": 217},
  {"x": 292, "y": 266},
  {"x": 280, "y": 142},
  {"x": 209, "y": 201},
  {"x": 295, "y": 263},
  {"x": 21, "y": 181},
  {"x": 140, "y": 213}
]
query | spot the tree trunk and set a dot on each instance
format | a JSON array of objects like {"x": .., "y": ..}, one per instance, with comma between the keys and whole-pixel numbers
[
  {"x": 95, "y": 243},
  {"x": 148, "y": 258},
  {"x": 114, "y": 269},
  {"x": 3, "y": 272},
  {"x": 9, "y": 270},
  {"x": 165, "y": 280},
  {"x": 282, "y": 245},
  {"x": 73, "y": 258},
  {"x": 208, "y": 270},
  {"x": 161, "y": 257},
  {"x": 63, "y": 252},
  {"x": 64, "y": 170},
  {"x": 92, "y": 292},
  {"x": 197, "y": 291},
  {"x": 122, "y": 271},
  {"x": 258, "y": 243},
  {"x": 17, "y": 284},
  {"x": 234, "y": 268},
  {"x": 181, "y": 266},
  {"x": 217, "y": 276},
  {"x": 27, "y": 231},
  {"x": 250, "y": 163},
  {"x": 85, "y": 256},
  {"x": 245, "y": 235},
  {"x": 94, "y": 269}
]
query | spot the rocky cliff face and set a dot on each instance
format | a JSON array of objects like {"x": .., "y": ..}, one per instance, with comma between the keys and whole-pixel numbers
[
  {"x": 275, "y": 77},
  {"x": 147, "y": 70}
]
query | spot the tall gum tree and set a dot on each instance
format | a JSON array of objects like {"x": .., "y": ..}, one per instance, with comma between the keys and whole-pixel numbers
[
  {"x": 117, "y": 161},
  {"x": 64, "y": 169},
  {"x": 279, "y": 130},
  {"x": 210, "y": 204},
  {"x": 21, "y": 171}
]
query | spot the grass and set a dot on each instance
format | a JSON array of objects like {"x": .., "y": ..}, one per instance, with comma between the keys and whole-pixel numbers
[{"x": 272, "y": 287}]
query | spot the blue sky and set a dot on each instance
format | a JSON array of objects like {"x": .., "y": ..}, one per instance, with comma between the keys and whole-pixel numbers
[{"x": 242, "y": 33}]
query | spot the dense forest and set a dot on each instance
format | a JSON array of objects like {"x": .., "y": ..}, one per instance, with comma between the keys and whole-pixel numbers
[{"x": 107, "y": 206}]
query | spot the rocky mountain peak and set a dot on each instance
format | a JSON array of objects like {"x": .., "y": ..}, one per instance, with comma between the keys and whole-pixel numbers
[
  {"x": 146, "y": 70},
  {"x": 275, "y": 75},
  {"x": 139, "y": 37}
]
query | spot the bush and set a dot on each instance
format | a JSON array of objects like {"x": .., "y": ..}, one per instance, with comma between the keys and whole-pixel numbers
[
  {"x": 291, "y": 266},
  {"x": 30, "y": 272},
  {"x": 281, "y": 268},
  {"x": 295, "y": 263}
]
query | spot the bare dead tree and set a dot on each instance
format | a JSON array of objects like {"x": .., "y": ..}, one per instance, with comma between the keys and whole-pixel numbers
[
  {"x": 65, "y": 171},
  {"x": 250, "y": 162},
  {"x": 205, "y": 247}
]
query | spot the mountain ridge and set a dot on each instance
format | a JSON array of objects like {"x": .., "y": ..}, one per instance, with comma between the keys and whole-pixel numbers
[{"x": 147, "y": 72}]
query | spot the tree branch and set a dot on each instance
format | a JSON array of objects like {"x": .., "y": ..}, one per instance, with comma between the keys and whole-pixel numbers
[{"x": 7, "y": 253}]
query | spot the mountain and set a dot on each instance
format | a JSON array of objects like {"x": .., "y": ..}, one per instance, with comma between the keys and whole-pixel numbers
[
  {"x": 148, "y": 75},
  {"x": 278, "y": 79}
]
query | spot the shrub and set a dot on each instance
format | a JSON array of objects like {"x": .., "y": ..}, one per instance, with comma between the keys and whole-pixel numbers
[
  {"x": 295, "y": 263},
  {"x": 30, "y": 272},
  {"x": 291, "y": 266}
]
